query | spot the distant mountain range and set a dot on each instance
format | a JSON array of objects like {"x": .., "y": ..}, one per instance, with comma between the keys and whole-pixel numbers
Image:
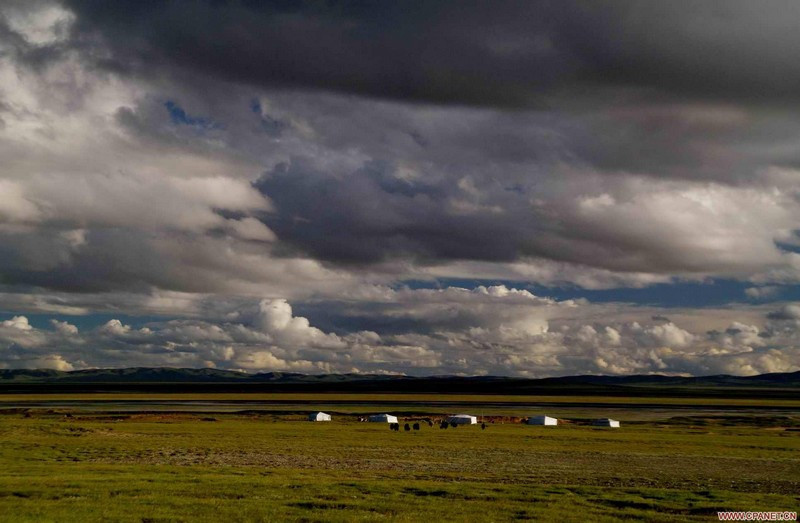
[
  {"x": 198, "y": 380},
  {"x": 176, "y": 375}
]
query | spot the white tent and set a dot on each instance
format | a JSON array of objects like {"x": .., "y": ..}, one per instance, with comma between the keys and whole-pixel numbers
[
  {"x": 382, "y": 418},
  {"x": 462, "y": 419},
  {"x": 606, "y": 422},
  {"x": 542, "y": 420},
  {"x": 319, "y": 416}
]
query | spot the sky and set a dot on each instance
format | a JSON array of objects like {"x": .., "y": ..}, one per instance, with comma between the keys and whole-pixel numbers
[{"x": 454, "y": 187}]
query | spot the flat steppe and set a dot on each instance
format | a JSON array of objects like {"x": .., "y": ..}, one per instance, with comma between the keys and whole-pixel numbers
[{"x": 229, "y": 457}]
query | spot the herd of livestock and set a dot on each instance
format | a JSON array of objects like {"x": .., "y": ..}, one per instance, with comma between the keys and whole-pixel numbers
[
  {"x": 456, "y": 420},
  {"x": 442, "y": 425}
]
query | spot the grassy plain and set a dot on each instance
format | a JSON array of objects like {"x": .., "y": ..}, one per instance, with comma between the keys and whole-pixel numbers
[{"x": 272, "y": 465}]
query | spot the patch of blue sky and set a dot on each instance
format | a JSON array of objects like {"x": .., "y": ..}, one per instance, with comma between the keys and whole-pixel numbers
[
  {"x": 713, "y": 293},
  {"x": 788, "y": 247},
  {"x": 84, "y": 322},
  {"x": 179, "y": 116}
]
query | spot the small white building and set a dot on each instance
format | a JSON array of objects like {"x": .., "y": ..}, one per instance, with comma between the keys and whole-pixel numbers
[
  {"x": 382, "y": 418},
  {"x": 319, "y": 416},
  {"x": 542, "y": 420},
  {"x": 606, "y": 422},
  {"x": 462, "y": 419}
]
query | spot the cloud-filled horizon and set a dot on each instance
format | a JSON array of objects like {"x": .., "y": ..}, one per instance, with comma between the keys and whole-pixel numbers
[{"x": 515, "y": 188}]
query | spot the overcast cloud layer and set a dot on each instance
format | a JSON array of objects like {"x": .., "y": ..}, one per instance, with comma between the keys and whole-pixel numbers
[{"x": 222, "y": 166}]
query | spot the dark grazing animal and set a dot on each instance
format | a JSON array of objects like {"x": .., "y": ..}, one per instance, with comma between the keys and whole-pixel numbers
[
  {"x": 407, "y": 427},
  {"x": 416, "y": 426},
  {"x": 443, "y": 425},
  {"x": 483, "y": 426}
]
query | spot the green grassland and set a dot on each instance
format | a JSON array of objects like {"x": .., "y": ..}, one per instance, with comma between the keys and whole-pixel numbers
[{"x": 273, "y": 466}]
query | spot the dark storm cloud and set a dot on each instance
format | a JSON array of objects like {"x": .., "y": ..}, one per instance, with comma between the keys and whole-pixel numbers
[
  {"x": 368, "y": 181},
  {"x": 374, "y": 214},
  {"x": 496, "y": 53},
  {"x": 675, "y": 90}
]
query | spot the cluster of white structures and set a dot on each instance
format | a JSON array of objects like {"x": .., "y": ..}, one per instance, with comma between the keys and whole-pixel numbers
[
  {"x": 468, "y": 419},
  {"x": 547, "y": 420}
]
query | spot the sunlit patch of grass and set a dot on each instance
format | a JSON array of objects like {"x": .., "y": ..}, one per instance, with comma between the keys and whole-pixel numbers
[{"x": 182, "y": 468}]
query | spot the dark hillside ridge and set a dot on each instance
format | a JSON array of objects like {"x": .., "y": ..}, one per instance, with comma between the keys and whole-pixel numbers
[{"x": 143, "y": 379}]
